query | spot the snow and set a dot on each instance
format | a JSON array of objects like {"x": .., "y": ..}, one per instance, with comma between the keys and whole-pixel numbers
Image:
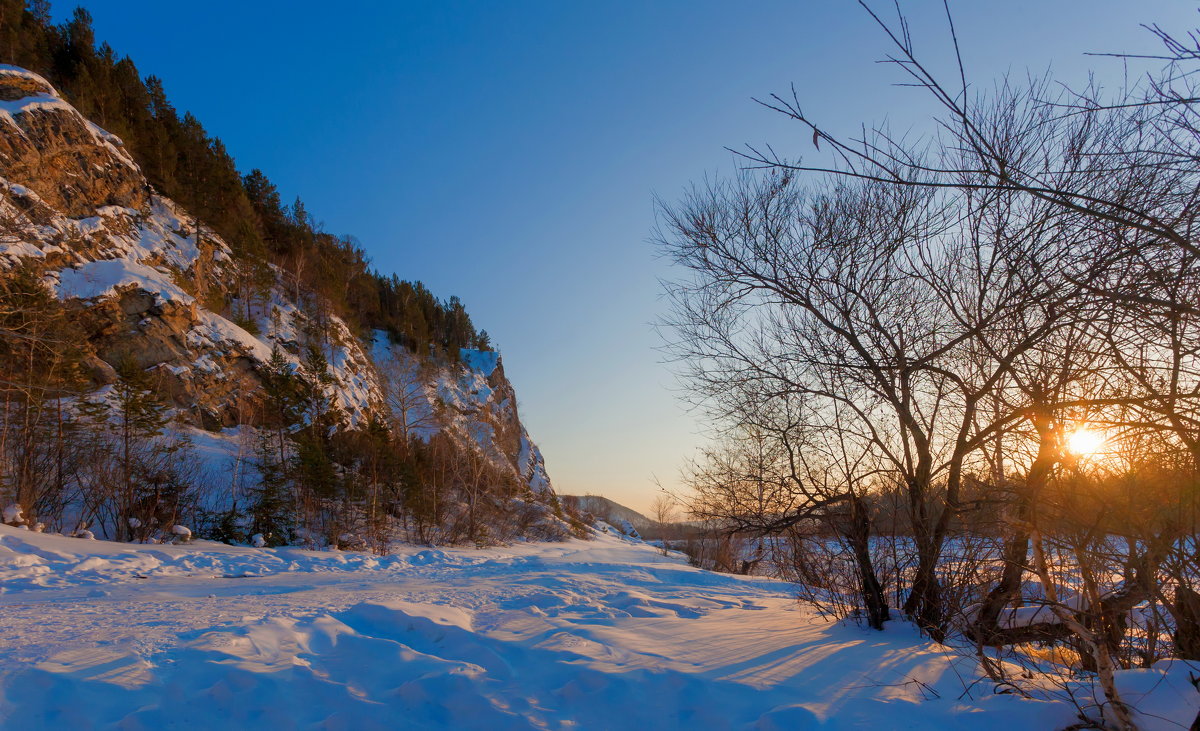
[
  {"x": 483, "y": 362},
  {"x": 13, "y": 514},
  {"x": 21, "y": 250},
  {"x": 212, "y": 330},
  {"x": 594, "y": 634},
  {"x": 9, "y": 109},
  {"x": 106, "y": 276},
  {"x": 150, "y": 255}
]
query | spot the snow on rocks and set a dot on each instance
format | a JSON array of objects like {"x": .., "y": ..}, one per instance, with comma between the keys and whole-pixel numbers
[
  {"x": 469, "y": 402},
  {"x": 42, "y": 96},
  {"x": 95, "y": 279},
  {"x": 627, "y": 528},
  {"x": 147, "y": 251},
  {"x": 14, "y": 514},
  {"x": 483, "y": 362}
]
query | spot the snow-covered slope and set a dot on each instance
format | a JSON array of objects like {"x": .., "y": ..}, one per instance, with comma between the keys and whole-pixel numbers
[
  {"x": 147, "y": 287},
  {"x": 602, "y": 634}
]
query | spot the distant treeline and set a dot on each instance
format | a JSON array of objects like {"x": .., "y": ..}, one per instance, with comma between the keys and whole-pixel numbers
[{"x": 185, "y": 163}]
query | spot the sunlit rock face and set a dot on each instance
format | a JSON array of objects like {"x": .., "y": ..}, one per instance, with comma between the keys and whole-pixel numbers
[{"x": 72, "y": 166}]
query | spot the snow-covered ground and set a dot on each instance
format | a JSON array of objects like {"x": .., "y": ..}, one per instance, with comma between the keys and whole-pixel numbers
[{"x": 602, "y": 634}]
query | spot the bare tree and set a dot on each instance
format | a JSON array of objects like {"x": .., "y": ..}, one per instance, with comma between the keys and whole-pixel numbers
[
  {"x": 664, "y": 511},
  {"x": 1044, "y": 242},
  {"x": 406, "y": 383}
]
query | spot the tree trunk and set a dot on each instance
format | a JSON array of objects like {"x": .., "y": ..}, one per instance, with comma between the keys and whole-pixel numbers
[
  {"x": 1187, "y": 623},
  {"x": 985, "y": 629},
  {"x": 859, "y": 537}
]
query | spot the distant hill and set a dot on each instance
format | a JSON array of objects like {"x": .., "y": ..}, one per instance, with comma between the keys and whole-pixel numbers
[
  {"x": 607, "y": 510},
  {"x": 612, "y": 513}
]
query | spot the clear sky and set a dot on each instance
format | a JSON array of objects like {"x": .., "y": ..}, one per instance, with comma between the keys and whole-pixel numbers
[{"x": 509, "y": 152}]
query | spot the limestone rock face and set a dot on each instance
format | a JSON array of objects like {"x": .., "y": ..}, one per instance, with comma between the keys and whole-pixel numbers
[
  {"x": 486, "y": 409},
  {"x": 148, "y": 292},
  {"x": 72, "y": 165},
  {"x": 128, "y": 261}
]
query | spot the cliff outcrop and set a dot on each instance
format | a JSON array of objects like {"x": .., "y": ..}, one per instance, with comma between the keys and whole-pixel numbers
[{"x": 150, "y": 286}]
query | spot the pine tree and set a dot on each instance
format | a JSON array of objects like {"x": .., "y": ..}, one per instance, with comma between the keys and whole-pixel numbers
[
  {"x": 41, "y": 363},
  {"x": 282, "y": 403},
  {"x": 228, "y": 527},
  {"x": 130, "y": 420},
  {"x": 271, "y": 508}
]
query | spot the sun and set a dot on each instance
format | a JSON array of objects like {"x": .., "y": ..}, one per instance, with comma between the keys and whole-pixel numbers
[{"x": 1084, "y": 442}]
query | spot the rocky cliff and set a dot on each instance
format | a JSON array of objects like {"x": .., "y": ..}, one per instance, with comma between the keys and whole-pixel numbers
[{"x": 151, "y": 285}]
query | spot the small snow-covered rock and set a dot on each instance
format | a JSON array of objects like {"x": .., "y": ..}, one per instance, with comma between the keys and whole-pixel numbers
[
  {"x": 13, "y": 514},
  {"x": 258, "y": 541},
  {"x": 85, "y": 534},
  {"x": 39, "y": 528},
  {"x": 183, "y": 532},
  {"x": 628, "y": 529}
]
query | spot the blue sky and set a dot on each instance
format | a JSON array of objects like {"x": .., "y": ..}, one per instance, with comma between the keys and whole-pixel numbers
[{"x": 509, "y": 152}]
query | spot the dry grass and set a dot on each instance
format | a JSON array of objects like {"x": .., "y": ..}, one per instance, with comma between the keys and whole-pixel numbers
[{"x": 1057, "y": 654}]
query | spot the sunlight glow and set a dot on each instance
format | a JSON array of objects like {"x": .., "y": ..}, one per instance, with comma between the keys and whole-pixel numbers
[{"x": 1084, "y": 441}]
